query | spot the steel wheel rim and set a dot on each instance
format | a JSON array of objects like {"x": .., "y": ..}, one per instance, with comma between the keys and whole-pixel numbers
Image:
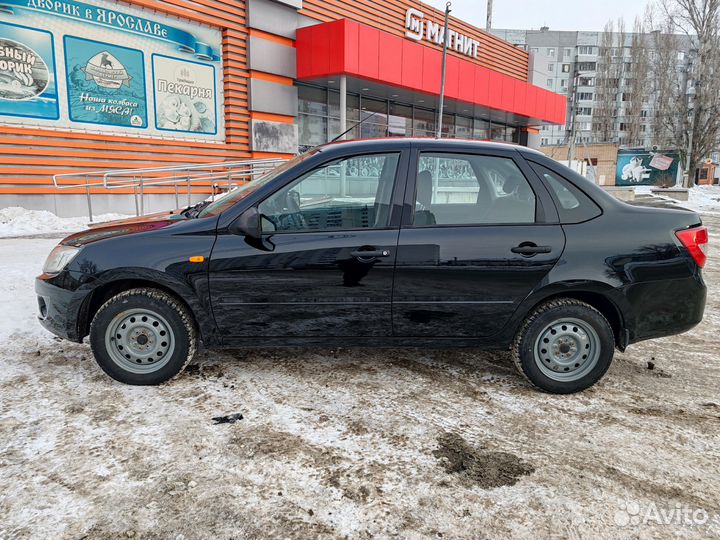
[
  {"x": 567, "y": 349},
  {"x": 139, "y": 341}
]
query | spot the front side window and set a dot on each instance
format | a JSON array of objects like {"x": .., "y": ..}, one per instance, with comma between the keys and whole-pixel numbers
[
  {"x": 461, "y": 189},
  {"x": 349, "y": 193}
]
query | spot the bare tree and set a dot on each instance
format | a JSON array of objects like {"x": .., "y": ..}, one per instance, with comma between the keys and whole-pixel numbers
[
  {"x": 605, "y": 89},
  {"x": 665, "y": 81},
  {"x": 634, "y": 86},
  {"x": 609, "y": 70},
  {"x": 698, "y": 125}
]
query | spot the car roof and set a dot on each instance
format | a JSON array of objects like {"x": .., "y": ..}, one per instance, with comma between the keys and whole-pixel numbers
[{"x": 427, "y": 142}]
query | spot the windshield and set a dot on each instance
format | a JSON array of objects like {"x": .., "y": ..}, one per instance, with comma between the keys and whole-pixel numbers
[{"x": 224, "y": 202}]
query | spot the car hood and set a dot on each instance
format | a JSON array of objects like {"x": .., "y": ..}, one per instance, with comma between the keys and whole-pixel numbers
[{"x": 123, "y": 227}]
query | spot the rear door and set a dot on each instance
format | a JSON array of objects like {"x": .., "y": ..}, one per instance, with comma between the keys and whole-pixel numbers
[{"x": 479, "y": 232}]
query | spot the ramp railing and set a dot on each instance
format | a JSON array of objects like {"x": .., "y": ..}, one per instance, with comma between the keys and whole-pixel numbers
[{"x": 178, "y": 180}]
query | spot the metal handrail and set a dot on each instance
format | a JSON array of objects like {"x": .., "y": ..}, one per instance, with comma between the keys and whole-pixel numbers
[{"x": 226, "y": 172}]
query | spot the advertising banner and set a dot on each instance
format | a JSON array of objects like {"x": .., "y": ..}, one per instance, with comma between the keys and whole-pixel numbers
[
  {"x": 113, "y": 18},
  {"x": 109, "y": 67},
  {"x": 184, "y": 95},
  {"x": 27, "y": 73},
  {"x": 646, "y": 168},
  {"x": 105, "y": 83}
]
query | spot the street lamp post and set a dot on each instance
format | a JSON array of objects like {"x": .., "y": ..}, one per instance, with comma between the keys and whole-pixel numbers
[
  {"x": 438, "y": 133},
  {"x": 690, "y": 93}
]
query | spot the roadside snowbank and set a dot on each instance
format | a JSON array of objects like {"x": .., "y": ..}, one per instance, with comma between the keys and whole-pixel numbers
[
  {"x": 705, "y": 199},
  {"x": 17, "y": 221}
]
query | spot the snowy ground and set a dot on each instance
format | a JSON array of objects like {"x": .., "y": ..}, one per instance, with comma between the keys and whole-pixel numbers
[{"x": 353, "y": 443}]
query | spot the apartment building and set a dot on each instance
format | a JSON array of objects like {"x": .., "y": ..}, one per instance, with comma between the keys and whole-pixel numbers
[{"x": 573, "y": 63}]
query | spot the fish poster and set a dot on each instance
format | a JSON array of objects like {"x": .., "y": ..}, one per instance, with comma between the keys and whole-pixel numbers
[{"x": 27, "y": 73}]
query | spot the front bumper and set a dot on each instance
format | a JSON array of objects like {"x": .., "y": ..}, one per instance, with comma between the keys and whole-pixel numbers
[{"x": 60, "y": 309}]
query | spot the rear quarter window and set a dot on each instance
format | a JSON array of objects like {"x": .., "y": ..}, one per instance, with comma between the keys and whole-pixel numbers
[{"x": 572, "y": 204}]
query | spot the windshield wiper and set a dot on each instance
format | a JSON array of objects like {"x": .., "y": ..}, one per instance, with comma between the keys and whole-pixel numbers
[{"x": 194, "y": 210}]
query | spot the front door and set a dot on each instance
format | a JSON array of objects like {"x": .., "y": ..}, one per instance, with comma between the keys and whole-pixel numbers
[
  {"x": 474, "y": 247},
  {"x": 325, "y": 266}
]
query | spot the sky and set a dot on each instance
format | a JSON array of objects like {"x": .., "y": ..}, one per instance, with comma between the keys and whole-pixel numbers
[{"x": 557, "y": 14}]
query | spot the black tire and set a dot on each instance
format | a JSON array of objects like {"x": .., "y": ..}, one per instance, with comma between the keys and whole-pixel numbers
[
  {"x": 169, "y": 317},
  {"x": 542, "y": 367}
]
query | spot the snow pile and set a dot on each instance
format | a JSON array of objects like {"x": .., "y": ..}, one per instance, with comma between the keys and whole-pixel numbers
[
  {"x": 644, "y": 190},
  {"x": 701, "y": 199},
  {"x": 18, "y": 221},
  {"x": 704, "y": 199}
]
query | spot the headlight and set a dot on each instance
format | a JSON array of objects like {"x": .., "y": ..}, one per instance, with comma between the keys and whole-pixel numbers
[{"x": 59, "y": 258}]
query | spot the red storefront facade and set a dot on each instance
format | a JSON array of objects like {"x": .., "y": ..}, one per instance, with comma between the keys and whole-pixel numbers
[{"x": 362, "y": 53}]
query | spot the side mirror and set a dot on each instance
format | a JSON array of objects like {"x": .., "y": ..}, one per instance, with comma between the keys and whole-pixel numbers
[{"x": 248, "y": 225}]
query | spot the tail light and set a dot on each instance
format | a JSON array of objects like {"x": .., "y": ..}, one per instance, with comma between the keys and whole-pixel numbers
[{"x": 696, "y": 242}]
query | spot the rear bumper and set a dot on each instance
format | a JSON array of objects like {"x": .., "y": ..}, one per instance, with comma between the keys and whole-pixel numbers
[
  {"x": 59, "y": 309},
  {"x": 666, "y": 308}
]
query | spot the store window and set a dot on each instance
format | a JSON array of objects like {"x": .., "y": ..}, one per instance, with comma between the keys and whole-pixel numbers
[
  {"x": 400, "y": 121},
  {"x": 448, "y": 126},
  {"x": 374, "y": 113},
  {"x": 463, "y": 127},
  {"x": 481, "y": 129},
  {"x": 497, "y": 132},
  {"x": 424, "y": 122},
  {"x": 318, "y": 119},
  {"x": 352, "y": 112}
]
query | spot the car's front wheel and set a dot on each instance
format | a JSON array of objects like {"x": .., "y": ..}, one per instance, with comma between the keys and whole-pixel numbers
[
  {"x": 564, "y": 346},
  {"x": 143, "y": 336}
]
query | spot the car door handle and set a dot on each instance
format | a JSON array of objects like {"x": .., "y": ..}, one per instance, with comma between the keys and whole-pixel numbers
[
  {"x": 528, "y": 249},
  {"x": 370, "y": 254}
]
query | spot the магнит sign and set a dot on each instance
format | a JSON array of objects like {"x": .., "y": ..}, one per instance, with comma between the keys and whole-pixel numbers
[{"x": 419, "y": 28}]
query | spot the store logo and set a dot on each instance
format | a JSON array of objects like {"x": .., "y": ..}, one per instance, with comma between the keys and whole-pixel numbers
[
  {"x": 106, "y": 71},
  {"x": 419, "y": 28},
  {"x": 23, "y": 73}
]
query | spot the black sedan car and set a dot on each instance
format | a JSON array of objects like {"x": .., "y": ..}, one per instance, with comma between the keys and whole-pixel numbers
[{"x": 386, "y": 243}]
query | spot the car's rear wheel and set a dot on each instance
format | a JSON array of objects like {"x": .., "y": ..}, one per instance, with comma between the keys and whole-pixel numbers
[
  {"x": 143, "y": 336},
  {"x": 564, "y": 346}
]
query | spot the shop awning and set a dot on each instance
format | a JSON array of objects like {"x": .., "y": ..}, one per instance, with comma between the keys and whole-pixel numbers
[{"x": 363, "y": 53}]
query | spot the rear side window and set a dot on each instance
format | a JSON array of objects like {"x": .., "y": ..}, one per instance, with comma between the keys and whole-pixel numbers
[
  {"x": 469, "y": 189},
  {"x": 573, "y": 205}
]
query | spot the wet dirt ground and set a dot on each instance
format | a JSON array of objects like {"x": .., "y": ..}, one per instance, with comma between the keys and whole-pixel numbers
[{"x": 358, "y": 443}]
